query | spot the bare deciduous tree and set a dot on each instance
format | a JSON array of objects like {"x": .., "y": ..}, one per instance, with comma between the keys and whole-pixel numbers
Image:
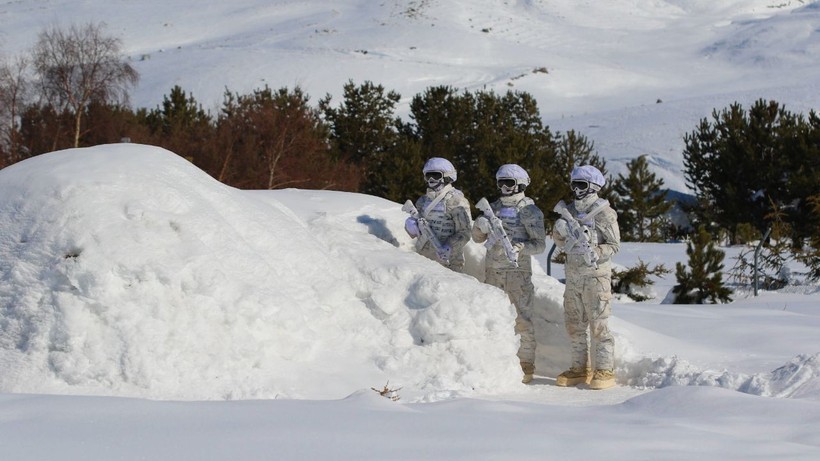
[
  {"x": 13, "y": 94},
  {"x": 81, "y": 65}
]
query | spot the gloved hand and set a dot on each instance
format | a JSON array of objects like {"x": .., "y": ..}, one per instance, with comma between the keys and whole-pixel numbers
[
  {"x": 518, "y": 247},
  {"x": 582, "y": 248},
  {"x": 411, "y": 225},
  {"x": 585, "y": 221},
  {"x": 445, "y": 253},
  {"x": 570, "y": 244},
  {"x": 561, "y": 228},
  {"x": 591, "y": 258},
  {"x": 483, "y": 224},
  {"x": 579, "y": 243}
]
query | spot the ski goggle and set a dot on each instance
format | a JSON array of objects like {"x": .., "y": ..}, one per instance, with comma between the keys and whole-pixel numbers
[
  {"x": 579, "y": 186},
  {"x": 434, "y": 175},
  {"x": 506, "y": 182}
]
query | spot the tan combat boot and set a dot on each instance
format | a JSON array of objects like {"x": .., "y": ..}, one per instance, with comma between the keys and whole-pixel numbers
[
  {"x": 602, "y": 379},
  {"x": 573, "y": 377},
  {"x": 529, "y": 370}
]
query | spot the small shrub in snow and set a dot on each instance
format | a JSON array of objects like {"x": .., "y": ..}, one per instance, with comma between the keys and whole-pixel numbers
[
  {"x": 704, "y": 280},
  {"x": 634, "y": 281}
]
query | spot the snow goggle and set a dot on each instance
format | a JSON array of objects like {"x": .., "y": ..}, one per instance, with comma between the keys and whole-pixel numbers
[
  {"x": 434, "y": 175},
  {"x": 579, "y": 186},
  {"x": 506, "y": 182}
]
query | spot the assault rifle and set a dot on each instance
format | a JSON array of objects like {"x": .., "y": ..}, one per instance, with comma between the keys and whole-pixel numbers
[
  {"x": 427, "y": 232},
  {"x": 578, "y": 235},
  {"x": 497, "y": 232}
]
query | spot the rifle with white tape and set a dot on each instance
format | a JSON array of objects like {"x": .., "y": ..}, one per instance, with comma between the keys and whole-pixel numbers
[
  {"x": 497, "y": 232},
  {"x": 427, "y": 232},
  {"x": 578, "y": 235}
]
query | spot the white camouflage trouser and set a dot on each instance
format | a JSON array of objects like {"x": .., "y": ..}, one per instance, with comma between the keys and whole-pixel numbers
[
  {"x": 519, "y": 288},
  {"x": 587, "y": 306},
  {"x": 455, "y": 264}
]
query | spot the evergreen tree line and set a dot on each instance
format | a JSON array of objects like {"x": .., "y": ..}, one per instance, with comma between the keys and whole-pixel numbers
[
  {"x": 752, "y": 168},
  {"x": 271, "y": 139},
  {"x": 756, "y": 174}
]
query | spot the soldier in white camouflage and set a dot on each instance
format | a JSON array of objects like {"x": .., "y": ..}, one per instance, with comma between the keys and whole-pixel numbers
[
  {"x": 523, "y": 223},
  {"x": 588, "y": 269},
  {"x": 447, "y": 212}
]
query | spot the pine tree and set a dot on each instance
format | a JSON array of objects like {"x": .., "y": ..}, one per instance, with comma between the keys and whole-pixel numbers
[
  {"x": 443, "y": 123},
  {"x": 810, "y": 253},
  {"x": 178, "y": 114},
  {"x": 480, "y": 131},
  {"x": 404, "y": 164},
  {"x": 181, "y": 126},
  {"x": 744, "y": 160},
  {"x": 641, "y": 203},
  {"x": 803, "y": 183},
  {"x": 364, "y": 130},
  {"x": 634, "y": 281},
  {"x": 705, "y": 280},
  {"x": 508, "y": 129}
]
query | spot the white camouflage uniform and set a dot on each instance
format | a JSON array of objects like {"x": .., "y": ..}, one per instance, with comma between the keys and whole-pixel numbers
[
  {"x": 450, "y": 220},
  {"x": 447, "y": 212},
  {"x": 588, "y": 292},
  {"x": 523, "y": 222}
]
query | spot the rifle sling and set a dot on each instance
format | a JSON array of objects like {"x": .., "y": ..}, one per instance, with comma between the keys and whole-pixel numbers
[{"x": 444, "y": 191}]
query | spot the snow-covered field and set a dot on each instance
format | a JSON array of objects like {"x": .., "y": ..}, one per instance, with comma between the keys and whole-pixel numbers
[
  {"x": 258, "y": 324},
  {"x": 149, "y": 312}
]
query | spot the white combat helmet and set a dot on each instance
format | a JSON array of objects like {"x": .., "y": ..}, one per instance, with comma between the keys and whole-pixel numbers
[
  {"x": 511, "y": 179},
  {"x": 585, "y": 180},
  {"x": 441, "y": 165},
  {"x": 438, "y": 172}
]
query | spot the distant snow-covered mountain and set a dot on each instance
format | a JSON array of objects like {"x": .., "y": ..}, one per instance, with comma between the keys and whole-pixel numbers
[{"x": 631, "y": 75}]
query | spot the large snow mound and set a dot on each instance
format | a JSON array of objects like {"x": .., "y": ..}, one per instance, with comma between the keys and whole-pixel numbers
[{"x": 125, "y": 270}]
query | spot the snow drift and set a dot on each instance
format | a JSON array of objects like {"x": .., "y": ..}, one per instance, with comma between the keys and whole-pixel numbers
[{"x": 128, "y": 271}]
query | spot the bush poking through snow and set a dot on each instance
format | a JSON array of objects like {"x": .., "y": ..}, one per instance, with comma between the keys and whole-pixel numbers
[
  {"x": 704, "y": 280},
  {"x": 634, "y": 281}
]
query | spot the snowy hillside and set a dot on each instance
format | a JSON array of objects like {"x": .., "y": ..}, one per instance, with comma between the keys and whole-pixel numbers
[
  {"x": 149, "y": 312},
  {"x": 598, "y": 68}
]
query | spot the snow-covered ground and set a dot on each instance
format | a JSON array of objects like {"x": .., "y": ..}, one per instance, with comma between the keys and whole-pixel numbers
[
  {"x": 149, "y": 312},
  {"x": 215, "y": 323}
]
